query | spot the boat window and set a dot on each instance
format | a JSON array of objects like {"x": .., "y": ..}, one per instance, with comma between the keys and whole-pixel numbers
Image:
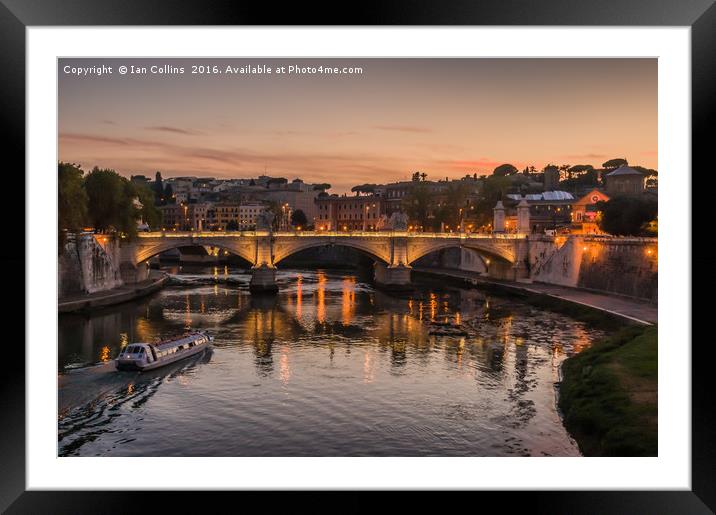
[{"x": 141, "y": 350}]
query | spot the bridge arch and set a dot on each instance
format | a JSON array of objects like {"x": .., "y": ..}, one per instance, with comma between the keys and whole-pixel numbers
[
  {"x": 485, "y": 250},
  {"x": 284, "y": 249},
  {"x": 147, "y": 250}
]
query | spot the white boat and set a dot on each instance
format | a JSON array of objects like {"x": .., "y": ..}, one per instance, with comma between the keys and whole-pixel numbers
[{"x": 148, "y": 356}]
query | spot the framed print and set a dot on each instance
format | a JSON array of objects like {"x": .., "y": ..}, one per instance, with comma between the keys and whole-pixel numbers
[{"x": 416, "y": 252}]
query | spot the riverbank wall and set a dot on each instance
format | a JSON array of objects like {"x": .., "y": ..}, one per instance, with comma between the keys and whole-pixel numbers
[
  {"x": 125, "y": 293},
  {"x": 615, "y": 266},
  {"x": 621, "y": 266},
  {"x": 90, "y": 263}
]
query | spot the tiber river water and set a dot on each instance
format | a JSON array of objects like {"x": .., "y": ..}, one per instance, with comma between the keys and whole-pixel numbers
[{"x": 328, "y": 367}]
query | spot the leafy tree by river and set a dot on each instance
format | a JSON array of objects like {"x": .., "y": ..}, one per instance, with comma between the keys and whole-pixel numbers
[
  {"x": 111, "y": 203},
  {"x": 149, "y": 212},
  {"x": 103, "y": 199},
  {"x": 627, "y": 215},
  {"x": 72, "y": 197}
]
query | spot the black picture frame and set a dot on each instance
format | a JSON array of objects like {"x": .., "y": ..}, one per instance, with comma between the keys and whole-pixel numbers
[{"x": 17, "y": 15}]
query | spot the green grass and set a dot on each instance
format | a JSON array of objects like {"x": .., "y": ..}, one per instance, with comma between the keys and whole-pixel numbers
[{"x": 608, "y": 395}]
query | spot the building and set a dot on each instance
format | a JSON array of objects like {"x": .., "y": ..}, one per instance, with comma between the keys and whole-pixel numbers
[
  {"x": 297, "y": 195},
  {"x": 186, "y": 217},
  {"x": 223, "y": 213},
  {"x": 172, "y": 216},
  {"x": 625, "y": 181},
  {"x": 354, "y": 213},
  {"x": 248, "y": 214},
  {"x": 585, "y": 216},
  {"x": 550, "y": 210}
]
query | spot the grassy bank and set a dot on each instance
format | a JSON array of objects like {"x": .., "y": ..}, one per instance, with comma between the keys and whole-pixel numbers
[{"x": 608, "y": 395}]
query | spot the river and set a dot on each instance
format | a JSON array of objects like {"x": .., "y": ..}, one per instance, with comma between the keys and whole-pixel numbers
[{"x": 328, "y": 367}]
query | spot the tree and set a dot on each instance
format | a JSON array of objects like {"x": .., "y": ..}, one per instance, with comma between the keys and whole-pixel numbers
[
  {"x": 232, "y": 225},
  {"x": 494, "y": 188},
  {"x": 149, "y": 212},
  {"x": 627, "y": 215},
  {"x": 321, "y": 187},
  {"x": 615, "y": 163},
  {"x": 298, "y": 218},
  {"x": 417, "y": 203},
  {"x": 504, "y": 169},
  {"x": 364, "y": 188},
  {"x": 452, "y": 210},
  {"x": 652, "y": 176},
  {"x": 111, "y": 201},
  {"x": 71, "y": 200},
  {"x": 275, "y": 208},
  {"x": 580, "y": 176},
  {"x": 71, "y": 197}
]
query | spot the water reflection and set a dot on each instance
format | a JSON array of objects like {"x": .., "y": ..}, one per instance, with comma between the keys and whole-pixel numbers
[{"x": 328, "y": 356}]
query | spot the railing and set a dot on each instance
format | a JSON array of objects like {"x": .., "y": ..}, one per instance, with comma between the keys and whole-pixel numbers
[{"x": 329, "y": 234}]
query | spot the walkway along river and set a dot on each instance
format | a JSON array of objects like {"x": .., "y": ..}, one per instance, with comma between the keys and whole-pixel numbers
[{"x": 328, "y": 367}]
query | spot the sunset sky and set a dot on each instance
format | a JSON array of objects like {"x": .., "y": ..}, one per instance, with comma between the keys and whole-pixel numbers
[{"x": 445, "y": 117}]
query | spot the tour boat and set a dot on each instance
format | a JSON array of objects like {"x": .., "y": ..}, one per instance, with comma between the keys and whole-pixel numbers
[{"x": 148, "y": 356}]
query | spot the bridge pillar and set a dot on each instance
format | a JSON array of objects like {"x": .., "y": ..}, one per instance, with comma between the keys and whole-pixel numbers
[
  {"x": 523, "y": 216},
  {"x": 498, "y": 222},
  {"x": 263, "y": 279},
  {"x": 521, "y": 267},
  {"x": 394, "y": 278},
  {"x": 263, "y": 273}
]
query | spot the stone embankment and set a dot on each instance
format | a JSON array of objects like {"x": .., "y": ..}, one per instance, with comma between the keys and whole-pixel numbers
[
  {"x": 627, "y": 309},
  {"x": 124, "y": 293}
]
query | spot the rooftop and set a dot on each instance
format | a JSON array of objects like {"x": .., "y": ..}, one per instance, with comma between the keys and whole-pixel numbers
[
  {"x": 625, "y": 170},
  {"x": 546, "y": 195}
]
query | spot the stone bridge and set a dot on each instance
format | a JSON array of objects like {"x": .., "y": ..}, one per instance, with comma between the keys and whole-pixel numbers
[{"x": 504, "y": 255}]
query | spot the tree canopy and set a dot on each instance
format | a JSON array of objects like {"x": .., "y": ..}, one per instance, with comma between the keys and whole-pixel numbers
[
  {"x": 72, "y": 197},
  {"x": 149, "y": 212},
  {"x": 615, "y": 163},
  {"x": 298, "y": 218},
  {"x": 627, "y": 215},
  {"x": 322, "y": 186},
  {"x": 504, "y": 169},
  {"x": 364, "y": 188},
  {"x": 417, "y": 204},
  {"x": 110, "y": 201}
]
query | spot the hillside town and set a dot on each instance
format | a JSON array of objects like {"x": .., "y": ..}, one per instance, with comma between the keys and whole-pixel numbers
[{"x": 561, "y": 199}]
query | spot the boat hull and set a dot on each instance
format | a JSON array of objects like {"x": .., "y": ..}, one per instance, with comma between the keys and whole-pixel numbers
[{"x": 132, "y": 365}]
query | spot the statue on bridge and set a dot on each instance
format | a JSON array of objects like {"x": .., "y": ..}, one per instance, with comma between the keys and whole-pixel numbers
[
  {"x": 264, "y": 221},
  {"x": 398, "y": 221}
]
